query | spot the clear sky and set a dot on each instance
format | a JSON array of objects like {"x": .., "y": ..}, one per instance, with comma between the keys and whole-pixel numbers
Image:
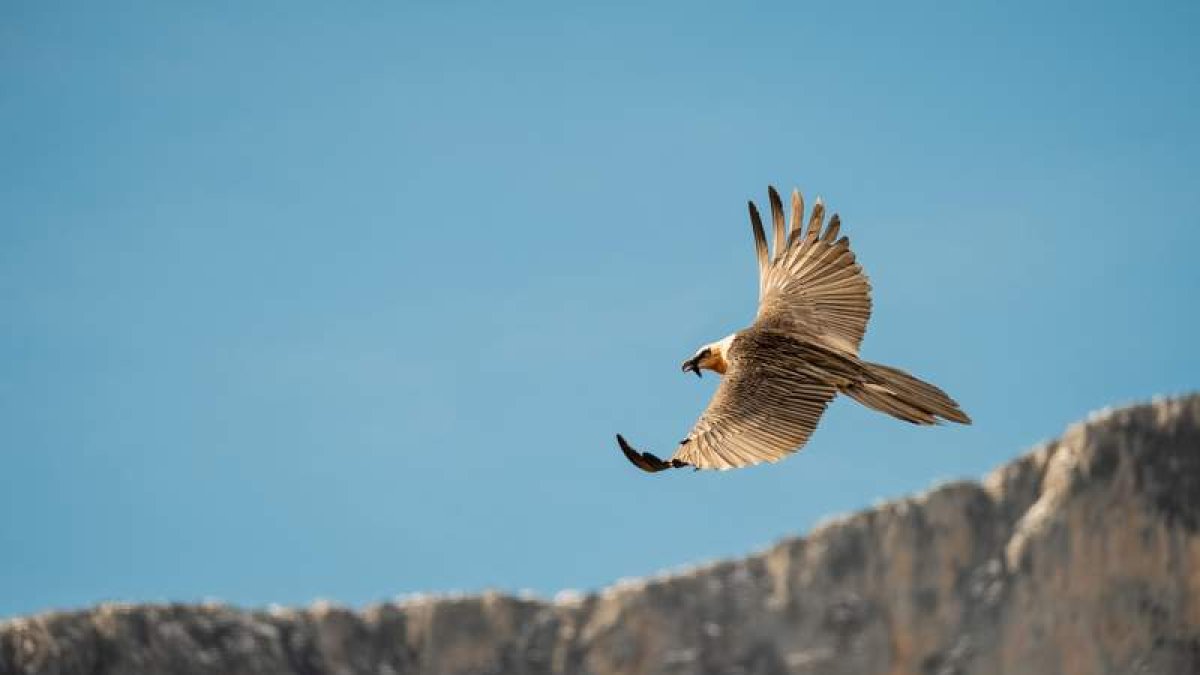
[{"x": 301, "y": 301}]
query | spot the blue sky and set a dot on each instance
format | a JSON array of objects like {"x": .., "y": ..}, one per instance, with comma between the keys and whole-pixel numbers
[{"x": 302, "y": 301}]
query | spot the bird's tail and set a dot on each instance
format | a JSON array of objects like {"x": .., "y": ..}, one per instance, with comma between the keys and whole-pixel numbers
[{"x": 895, "y": 392}]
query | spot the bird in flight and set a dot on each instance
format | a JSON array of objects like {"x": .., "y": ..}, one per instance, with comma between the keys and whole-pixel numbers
[{"x": 802, "y": 350}]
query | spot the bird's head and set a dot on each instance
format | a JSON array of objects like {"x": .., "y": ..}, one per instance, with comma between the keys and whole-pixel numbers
[{"x": 709, "y": 357}]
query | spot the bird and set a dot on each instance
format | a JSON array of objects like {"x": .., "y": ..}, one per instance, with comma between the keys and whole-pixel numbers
[{"x": 780, "y": 373}]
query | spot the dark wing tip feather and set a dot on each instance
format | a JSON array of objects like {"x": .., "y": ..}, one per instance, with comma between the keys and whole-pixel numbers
[
  {"x": 778, "y": 223},
  {"x": 755, "y": 219},
  {"x": 831, "y": 231},
  {"x": 644, "y": 460},
  {"x": 760, "y": 238}
]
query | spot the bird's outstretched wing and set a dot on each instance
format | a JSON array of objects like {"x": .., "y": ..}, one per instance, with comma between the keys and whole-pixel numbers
[
  {"x": 767, "y": 406},
  {"x": 810, "y": 284}
]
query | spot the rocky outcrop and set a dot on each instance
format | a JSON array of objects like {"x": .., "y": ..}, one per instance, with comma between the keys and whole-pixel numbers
[{"x": 1083, "y": 556}]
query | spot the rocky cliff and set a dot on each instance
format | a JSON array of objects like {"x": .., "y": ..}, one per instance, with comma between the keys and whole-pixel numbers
[{"x": 1083, "y": 556}]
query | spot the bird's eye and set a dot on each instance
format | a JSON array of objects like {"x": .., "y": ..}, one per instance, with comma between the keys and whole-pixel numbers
[{"x": 705, "y": 352}]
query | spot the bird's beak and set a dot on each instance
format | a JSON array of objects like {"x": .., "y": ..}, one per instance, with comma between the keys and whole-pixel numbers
[{"x": 693, "y": 366}]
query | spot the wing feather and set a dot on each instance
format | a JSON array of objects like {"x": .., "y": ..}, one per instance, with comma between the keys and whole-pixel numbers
[
  {"x": 817, "y": 219},
  {"x": 797, "y": 217},
  {"x": 831, "y": 232},
  {"x": 813, "y": 287},
  {"x": 760, "y": 245},
  {"x": 778, "y": 223}
]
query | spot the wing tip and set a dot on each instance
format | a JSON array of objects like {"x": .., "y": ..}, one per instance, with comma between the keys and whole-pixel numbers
[
  {"x": 646, "y": 461},
  {"x": 959, "y": 416}
]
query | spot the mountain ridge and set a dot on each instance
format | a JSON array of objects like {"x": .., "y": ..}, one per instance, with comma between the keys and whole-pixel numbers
[{"x": 1079, "y": 556}]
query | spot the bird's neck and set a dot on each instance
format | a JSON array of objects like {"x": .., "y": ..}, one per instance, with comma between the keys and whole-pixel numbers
[{"x": 720, "y": 351}]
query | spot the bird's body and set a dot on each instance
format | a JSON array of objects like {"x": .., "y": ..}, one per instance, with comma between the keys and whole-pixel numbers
[{"x": 802, "y": 349}]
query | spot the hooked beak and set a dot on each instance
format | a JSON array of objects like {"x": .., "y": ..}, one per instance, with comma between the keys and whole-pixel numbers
[{"x": 693, "y": 366}]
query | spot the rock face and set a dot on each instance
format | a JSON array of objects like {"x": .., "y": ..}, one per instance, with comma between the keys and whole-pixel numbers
[{"x": 1081, "y": 557}]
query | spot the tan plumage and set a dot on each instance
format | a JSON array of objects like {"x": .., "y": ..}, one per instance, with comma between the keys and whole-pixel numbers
[{"x": 801, "y": 350}]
